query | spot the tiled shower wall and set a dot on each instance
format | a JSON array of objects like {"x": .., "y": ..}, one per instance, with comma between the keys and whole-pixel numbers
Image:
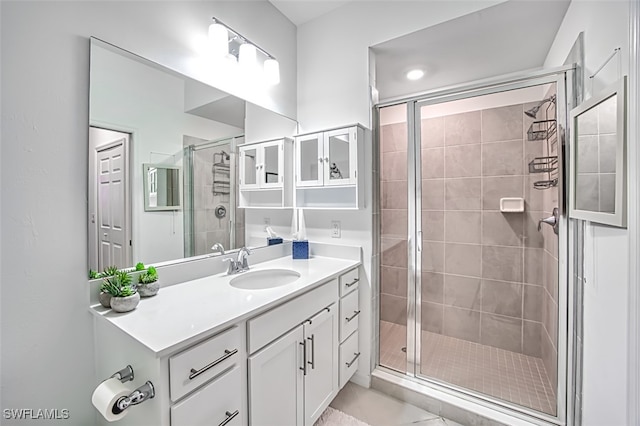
[{"x": 487, "y": 275}]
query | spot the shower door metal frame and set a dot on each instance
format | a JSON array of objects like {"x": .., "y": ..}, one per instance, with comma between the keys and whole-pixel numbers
[
  {"x": 564, "y": 79},
  {"x": 233, "y": 147}
]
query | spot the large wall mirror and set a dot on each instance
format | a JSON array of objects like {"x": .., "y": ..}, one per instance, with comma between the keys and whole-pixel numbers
[
  {"x": 598, "y": 158},
  {"x": 149, "y": 125}
]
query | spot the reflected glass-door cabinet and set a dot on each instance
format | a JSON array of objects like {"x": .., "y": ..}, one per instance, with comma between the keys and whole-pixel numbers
[{"x": 266, "y": 174}]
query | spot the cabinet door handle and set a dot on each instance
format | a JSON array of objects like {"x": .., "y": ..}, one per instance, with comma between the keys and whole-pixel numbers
[
  {"x": 313, "y": 351},
  {"x": 355, "y": 314},
  {"x": 349, "y": 364},
  {"x": 230, "y": 416},
  {"x": 355, "y": 280},
  {"x": 227, "y": 354},
  {"x": 304, "y": 357}
]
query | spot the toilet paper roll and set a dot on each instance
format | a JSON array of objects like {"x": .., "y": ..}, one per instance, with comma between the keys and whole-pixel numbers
[{"x": 106, "y": 395}]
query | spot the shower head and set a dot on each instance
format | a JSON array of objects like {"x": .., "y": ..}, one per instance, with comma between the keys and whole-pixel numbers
[{"x": 533, "y": 112}]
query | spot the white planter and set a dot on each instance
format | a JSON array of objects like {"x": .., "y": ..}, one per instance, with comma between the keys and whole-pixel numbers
[
  {"x": 148, "y": 290},
  {"x": 125, "y": 304},
  {"x": 105, "y": 299}
]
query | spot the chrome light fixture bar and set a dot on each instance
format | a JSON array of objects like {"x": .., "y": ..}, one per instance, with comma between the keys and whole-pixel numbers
[{"x": 246, "y": 53}]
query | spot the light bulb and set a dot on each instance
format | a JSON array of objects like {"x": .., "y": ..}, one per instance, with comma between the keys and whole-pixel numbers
[
  {"x": 218, "y": 39},
  {"x": 272, "y": 72},
  {"x": 415, "y": 74},
  {"x": 247, "y": 56}
]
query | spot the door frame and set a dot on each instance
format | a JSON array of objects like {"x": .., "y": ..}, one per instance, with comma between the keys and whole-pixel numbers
[
  {"x": 563, "y": 77},
  {"x": 93, "y": 240}
]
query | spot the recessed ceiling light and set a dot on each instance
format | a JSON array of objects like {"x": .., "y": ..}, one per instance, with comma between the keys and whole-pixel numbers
[{"x": 415, "y": 74}]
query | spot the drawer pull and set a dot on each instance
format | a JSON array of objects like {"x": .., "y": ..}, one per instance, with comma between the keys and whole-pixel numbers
[
  {"x": 230, "y": 416},
  {"x": 355, "y": 314},
  {"x": 355, "y": 280},
  {"x": 357, "y": 355},
  {"x": 227, "y": 354}
]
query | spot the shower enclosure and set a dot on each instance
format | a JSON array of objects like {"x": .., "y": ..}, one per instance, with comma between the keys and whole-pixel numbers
[
  {"x": 469, "y": 239},
  {"x": 210, "y": 181}
]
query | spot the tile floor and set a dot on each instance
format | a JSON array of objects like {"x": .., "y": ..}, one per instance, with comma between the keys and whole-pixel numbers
[
  {"x": 502, "y": 374},
  {"x": 378, "y": 409}
]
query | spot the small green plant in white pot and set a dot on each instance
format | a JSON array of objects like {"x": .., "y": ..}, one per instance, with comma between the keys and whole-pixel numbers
[
  {"x": 124, "y": 297},
  {"x": 148, "y": 284},
  {"x": 105, "y": 296}
]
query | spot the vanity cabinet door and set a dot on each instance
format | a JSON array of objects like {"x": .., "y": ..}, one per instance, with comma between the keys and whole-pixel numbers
[
  {"x": 271, "y": 166},
  {"x": 340, "y": 154},
  {"x": 321, "y": 381},
  {"x": 249, "y": 167},
  {"x": 310, "y": 164},
  {"x": 276, "y": 382}
]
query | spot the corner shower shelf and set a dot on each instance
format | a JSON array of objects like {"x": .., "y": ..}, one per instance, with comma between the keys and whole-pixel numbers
[
  {"x": 543, "y": 164},
  {"x": 542, "y": 129}
]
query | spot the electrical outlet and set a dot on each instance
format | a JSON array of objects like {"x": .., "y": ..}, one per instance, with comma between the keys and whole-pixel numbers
[
  {"x": 267, "y": 222},
  {"x": 335, "y": 229}
]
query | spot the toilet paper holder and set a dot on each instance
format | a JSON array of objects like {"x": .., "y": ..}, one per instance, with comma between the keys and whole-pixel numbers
[{"x": 138, "y": 396}]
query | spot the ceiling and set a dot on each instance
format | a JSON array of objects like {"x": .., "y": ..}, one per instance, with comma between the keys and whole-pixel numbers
[
  {"x": 301, "y": 11},
  {"x": 509, "y": 37}
]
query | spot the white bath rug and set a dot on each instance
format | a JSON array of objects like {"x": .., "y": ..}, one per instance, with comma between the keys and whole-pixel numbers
[{"x": 333, "y": 417}]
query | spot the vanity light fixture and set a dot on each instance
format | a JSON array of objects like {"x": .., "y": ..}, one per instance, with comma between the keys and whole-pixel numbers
[
  {"x": 228, "y": 43},
  {"x": 416, "y": 74}
]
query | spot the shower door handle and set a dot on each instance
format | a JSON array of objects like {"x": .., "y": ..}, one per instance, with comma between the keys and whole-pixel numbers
[{"x": 419, "y": 242}]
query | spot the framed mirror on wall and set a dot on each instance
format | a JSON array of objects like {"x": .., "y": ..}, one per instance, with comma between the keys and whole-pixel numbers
[
  {"x": 163, "y": 162},
  {"x": 598, "y": 158},
  {"x": 162, "y": 187}
]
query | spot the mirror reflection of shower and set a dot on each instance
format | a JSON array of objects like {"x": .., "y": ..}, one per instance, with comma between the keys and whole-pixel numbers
[{"x": 211, "y": 220}]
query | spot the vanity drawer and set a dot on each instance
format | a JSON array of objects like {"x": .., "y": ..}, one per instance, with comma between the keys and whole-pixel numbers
[
  {"x": 199, "y": 364},
  {"x": 349, "y": 314},
  {"x": 216, "y": 403},
  {"x": 349, "y": 281},
  {"x": 272, "y": 324},
  {"x": 349, "y": 356}
]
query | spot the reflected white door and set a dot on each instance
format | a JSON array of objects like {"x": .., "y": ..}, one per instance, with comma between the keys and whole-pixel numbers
[{"x": 111, "y": 218}]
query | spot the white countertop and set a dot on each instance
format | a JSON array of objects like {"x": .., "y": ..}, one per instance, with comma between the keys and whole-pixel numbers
[{"x": 185, "y": 313}]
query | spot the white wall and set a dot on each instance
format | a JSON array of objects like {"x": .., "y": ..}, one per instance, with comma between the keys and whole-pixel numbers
[
  {"x": 333, "y": 55},
  {"x": 605, "y": 397},
  {"x": 47, "y": 339}
]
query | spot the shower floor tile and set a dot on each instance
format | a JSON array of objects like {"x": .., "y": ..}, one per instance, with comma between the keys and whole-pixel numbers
[{"x": 510, "y": 376}]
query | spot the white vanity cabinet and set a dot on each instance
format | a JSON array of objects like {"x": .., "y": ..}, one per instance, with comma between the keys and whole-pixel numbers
[
  {"x": 349, "y": 324},
  {"x": 329, "y": 169},
  {"x": 266, "y": 174},
  {"x": 293, "y": 379}
]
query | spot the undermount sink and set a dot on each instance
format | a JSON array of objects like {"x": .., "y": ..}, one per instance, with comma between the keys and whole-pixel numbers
[{"x": 264, "y": 279}]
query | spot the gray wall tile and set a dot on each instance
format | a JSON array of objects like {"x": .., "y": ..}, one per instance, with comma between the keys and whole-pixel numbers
[
  {"x": 394, "y": 252},
  {"x": 462, "y": 226},
  {"x": 393, "y": 309},
  {"x": 502, "y": 158},
  {"x": 462, "y": 194},
  {"x": 433, "y": 194},
  {"x": 502, "y": 298},
  {"x": 532, "y": 338},
  {"x": 494, "y": 188},
  {"x": 393, "y": 137},
  {"x": 463, "y": 259},
  {"x": 462, "y": 292},
  {"x": 432, "y": 287},
  {"x": 393, "y": 281},
  {"x": 502, "y": 263},
  {"x": 503, "y": 123},
  {"x": 533, "y": 302},
  {"x": 432, "y": 163},
  {"x": 501, "y": 332},
  {"x": 432, "y": 317},
  {"x": 432, "y": 256},
  {"x": 505, "y": 229},
  {"x": 462, "y": 161},
  {"x": 462, "y": 129},
  {"x": 462, "y": 323},
  {"x": 393, "y": 195},
  {"x": 432, "y": 132},
  {"x": 433, "y": 225}
]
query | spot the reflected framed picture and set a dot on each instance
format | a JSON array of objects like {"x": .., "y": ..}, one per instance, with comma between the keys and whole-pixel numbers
[{"x": 597, "y": 155}]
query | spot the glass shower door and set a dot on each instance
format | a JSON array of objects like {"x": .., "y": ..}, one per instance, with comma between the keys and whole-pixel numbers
[{"x": 487, "y": 275}]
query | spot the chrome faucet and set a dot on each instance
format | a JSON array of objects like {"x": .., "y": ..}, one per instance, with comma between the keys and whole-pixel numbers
[
  {"x": 218, "y": 247},
  {"x": 551, "y": 221},
  {"x": 241, "y": 264}
]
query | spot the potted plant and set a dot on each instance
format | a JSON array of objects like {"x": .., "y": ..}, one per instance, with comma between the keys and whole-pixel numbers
[
  {"x": 124, "y": 297},
  {"x": 105, "y": 296},
  {"x": 148, "y": 284}
]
